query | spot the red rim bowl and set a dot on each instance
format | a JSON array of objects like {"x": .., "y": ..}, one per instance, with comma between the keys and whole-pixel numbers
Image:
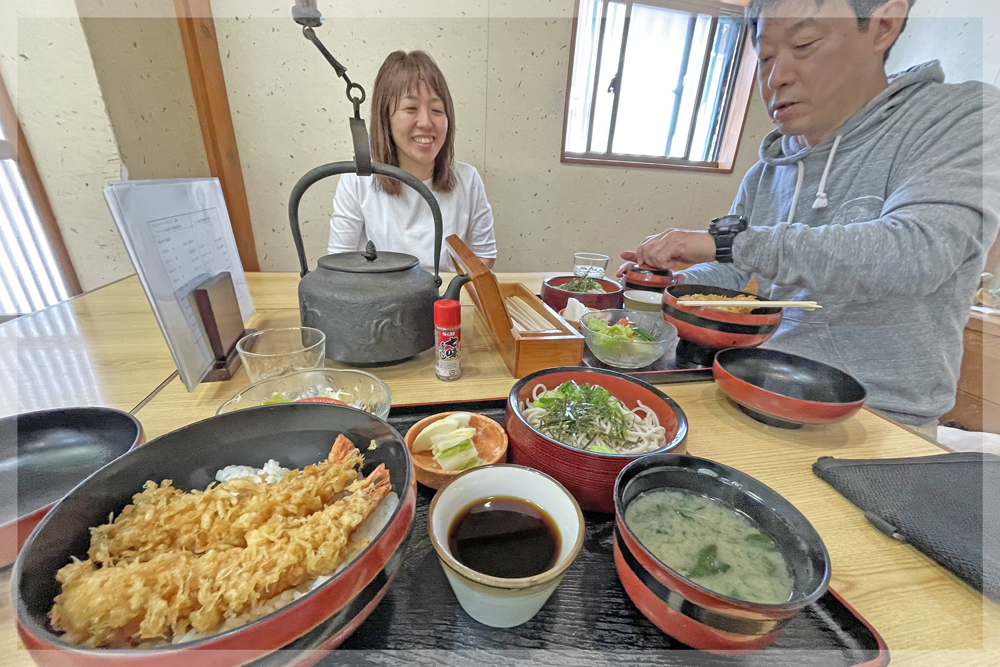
[
  {"x": 47, "y": 453},
  {"x": 786, "y": 390},
  {"x": 716, "y": 329},
  {"x": 645, "y": 277},
  {"x": 689, "y": 612},
  {"x": 589, "y": 476},
  {"x": 557, "y": 298},
  {"x": 295, "y": 434}
]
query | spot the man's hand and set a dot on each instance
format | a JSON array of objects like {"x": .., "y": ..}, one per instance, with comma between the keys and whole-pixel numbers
[{"x": 665, "y": 250}]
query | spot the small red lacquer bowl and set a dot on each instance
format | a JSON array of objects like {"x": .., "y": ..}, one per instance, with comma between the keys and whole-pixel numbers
[
  {"x": 786, "y": 390},
  {"x": 717, "y": 329},
  {"x": 557, "y": 298},
  {"x": 589, "y": 476},
  {"x": 687, "y": 611},
  {"x": 645, "y": 277}
]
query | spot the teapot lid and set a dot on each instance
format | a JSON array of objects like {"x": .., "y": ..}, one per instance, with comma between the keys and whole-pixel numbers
[{"x": 368, "y": 261}]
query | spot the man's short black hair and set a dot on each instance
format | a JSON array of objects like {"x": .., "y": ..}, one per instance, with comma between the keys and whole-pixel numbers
[{"x": 863, "y": 9}]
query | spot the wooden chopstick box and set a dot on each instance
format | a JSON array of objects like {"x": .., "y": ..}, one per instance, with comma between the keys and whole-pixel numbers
[{"x": 523, "y": 352}]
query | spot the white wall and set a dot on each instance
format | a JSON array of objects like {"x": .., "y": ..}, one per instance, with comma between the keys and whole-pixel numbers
[
  {"x": 963, "y": 34},
  {"x": 50, "y": 76},
  {"x": 506, "y": 64}
]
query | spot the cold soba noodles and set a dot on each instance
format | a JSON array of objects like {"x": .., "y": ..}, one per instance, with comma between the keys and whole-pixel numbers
[
  {"x": 711, "y": 544},
  {"x": 588, "y": 417}
]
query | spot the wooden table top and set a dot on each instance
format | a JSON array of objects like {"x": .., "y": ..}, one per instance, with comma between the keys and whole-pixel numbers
[
  {"x": 926, "y": 615},
  {"x": 102, "y": 348}
]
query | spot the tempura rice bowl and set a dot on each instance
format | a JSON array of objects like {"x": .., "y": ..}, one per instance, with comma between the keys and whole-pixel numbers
[{"x": 295, "y": 435}]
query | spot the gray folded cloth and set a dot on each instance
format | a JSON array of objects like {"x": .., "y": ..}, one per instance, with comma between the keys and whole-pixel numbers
[{"x": 936, "y": 503}]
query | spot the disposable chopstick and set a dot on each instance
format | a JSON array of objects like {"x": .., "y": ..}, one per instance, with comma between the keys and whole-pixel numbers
[
  {"x": 805, "y": 305},
  {"x": 524, "y": 317}
]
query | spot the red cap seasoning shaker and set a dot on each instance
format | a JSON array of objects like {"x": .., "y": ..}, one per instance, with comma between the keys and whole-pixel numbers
[{"x": 448, "y": 339}]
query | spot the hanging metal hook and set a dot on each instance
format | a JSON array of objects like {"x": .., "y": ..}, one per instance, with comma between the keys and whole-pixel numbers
[{"x": 341, "y": 71}]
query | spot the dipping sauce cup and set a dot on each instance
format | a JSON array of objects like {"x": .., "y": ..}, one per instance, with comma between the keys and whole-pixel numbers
[{"x": 496, "y": 601}]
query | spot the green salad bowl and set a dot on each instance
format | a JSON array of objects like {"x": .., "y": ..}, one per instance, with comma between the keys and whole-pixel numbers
[{"x": 628, "y": 354}]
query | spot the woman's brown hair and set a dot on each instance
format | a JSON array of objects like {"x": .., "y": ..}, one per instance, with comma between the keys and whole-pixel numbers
[{"x": 400, "y": 74}]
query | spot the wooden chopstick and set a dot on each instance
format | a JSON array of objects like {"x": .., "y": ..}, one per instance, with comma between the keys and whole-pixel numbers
[
  {"x": 805, "y": 305},
  {"x": 525, "y": 318}
]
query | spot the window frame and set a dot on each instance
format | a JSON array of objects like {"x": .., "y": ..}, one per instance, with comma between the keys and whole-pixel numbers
[
  {"x": 735, "y": 123},
  {"x": 36, "y": 193}
]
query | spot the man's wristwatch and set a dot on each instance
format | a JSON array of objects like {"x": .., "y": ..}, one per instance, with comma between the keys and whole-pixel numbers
[{"x": 724, "y": 231}]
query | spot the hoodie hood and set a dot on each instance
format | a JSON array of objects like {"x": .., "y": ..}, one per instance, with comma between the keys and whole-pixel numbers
[{"x": 780, "y": 150}]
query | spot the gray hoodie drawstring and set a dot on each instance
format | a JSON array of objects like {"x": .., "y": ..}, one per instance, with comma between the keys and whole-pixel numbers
[
  {"x": 798, "y": 189},
  {"x": 821, "y": 199}
]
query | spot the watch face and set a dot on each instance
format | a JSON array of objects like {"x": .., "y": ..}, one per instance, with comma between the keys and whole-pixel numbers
[{"x": 728, "y": 224}]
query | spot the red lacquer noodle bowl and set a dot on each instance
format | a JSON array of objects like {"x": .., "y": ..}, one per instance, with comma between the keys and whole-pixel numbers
[
  {"x": 717, "y": 329},
  {"x": 589, "y": 476}
]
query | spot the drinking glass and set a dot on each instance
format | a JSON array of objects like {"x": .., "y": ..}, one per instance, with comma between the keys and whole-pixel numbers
[
  {"x": 273, "y": 352},
  {"x": 589, "y": 264}
]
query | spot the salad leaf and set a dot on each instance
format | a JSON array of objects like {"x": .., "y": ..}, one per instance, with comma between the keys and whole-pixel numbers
[{"x": 620, "y": 330}]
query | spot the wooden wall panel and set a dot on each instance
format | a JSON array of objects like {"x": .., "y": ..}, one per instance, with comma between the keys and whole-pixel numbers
[{"x": 209, "y": 86}]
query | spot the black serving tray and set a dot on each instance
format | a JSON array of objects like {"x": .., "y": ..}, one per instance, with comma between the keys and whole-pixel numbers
[
  {"x": 682, "y": 362},
  {"x": 589, "y": 620}
]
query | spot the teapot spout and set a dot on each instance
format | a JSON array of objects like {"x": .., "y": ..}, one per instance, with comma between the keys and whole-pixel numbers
[{"x": 455, "y": 287}]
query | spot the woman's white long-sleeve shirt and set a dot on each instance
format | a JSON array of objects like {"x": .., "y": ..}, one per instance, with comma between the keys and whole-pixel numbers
[{"x": 404, "y": 223}]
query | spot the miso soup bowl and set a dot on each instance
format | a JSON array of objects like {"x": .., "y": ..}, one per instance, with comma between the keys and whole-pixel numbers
[
  {"x": 687, "y": 611},
  {"x": 496, "y": 601}
]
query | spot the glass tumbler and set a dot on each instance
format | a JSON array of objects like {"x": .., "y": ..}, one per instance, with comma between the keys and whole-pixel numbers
[
  {"x": 589, "y": 264},
  {"x": 274, "y": 352}
]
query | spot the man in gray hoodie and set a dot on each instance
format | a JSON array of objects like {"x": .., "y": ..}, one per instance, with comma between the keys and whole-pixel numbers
[{"x": 876, "y": 196}]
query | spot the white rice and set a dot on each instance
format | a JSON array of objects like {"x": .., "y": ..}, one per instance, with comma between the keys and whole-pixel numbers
[
  {"x": 271, "y": 472},
  {"x": 362, "y": 535}
]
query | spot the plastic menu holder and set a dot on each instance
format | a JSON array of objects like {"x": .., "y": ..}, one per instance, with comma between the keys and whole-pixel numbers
[{"x": 178, "y": 235}]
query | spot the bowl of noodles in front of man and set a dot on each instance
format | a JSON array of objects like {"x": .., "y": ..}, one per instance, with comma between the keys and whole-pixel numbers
[{"x": 583, "y": 425}]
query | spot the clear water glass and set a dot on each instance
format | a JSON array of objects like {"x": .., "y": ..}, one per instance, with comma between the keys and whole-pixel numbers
[
  {"x": 589, "y": 264},
  {"x": 274, "y": 352}
]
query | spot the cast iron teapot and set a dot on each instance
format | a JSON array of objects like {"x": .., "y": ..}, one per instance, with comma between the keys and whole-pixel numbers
[{"x": 376, "y": 308}]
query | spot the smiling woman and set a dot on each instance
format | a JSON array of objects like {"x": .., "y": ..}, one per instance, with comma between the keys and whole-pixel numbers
[{"x": 413, "y": 128}]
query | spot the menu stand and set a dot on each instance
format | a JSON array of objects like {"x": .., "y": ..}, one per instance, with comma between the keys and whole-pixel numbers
[{"x": 216, "y": 304}]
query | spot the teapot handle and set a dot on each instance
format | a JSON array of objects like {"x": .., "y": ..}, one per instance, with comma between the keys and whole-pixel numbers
[{"x": 350, "y": 167}]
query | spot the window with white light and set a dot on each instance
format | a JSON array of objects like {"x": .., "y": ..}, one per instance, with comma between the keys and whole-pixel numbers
[
  {"x": 30, "y": 277},
  {"x": 660, "y": 83}
]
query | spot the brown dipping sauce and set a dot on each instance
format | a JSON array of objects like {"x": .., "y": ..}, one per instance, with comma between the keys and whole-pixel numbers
[{"x": 505, "y": 537}]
